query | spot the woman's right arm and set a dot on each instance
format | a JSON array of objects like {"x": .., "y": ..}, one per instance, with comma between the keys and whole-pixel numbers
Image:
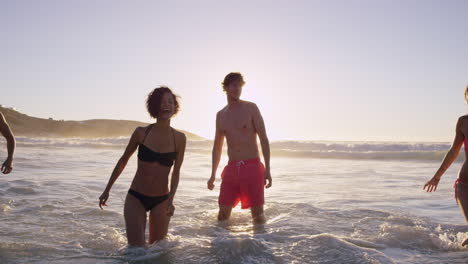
[
  {"x": 120, "y": 166},
  {"x": 450, "y": 157}
]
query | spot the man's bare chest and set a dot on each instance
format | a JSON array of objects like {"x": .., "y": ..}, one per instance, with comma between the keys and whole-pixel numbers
[{"x": 236, "y": 121}]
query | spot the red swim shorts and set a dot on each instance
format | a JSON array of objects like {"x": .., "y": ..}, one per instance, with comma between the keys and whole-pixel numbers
[{"x": 242, "y": 180}]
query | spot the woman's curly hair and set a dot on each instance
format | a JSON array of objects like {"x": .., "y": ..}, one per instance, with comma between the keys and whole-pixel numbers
[{"x": 153, "y": 102}]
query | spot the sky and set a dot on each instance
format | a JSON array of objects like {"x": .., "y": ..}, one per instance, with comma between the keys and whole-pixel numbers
[{"x": 318, "y": 70}]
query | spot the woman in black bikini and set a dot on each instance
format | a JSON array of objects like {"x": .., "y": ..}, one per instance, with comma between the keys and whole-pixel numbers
[{"x": 159, "y": 147}]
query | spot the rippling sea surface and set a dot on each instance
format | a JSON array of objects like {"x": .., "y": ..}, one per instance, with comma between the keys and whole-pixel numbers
[{"x": 331, "y": 202}]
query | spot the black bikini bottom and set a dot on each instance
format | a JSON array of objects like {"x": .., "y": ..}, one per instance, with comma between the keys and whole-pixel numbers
[{"x": 149, "y": 202}]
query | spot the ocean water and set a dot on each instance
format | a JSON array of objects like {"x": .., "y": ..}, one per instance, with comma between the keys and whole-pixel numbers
[{"x": 331, "y": 202}]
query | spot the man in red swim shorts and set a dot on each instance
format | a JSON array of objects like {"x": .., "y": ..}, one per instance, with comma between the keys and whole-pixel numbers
[{"x": 244, "y": 177}]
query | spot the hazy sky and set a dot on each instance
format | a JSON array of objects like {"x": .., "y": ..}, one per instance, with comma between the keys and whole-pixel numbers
[{"x": 333, "y": 70}]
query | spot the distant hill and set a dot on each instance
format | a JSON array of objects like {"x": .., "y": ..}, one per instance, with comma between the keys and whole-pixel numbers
[{"x": 24, "y": 125}]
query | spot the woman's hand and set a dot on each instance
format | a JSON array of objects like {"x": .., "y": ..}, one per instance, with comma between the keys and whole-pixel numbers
[
  {"x": 170, "y": 209},
  {"x": 7, "y": 166},
  {"x": 431, "y": 185},
  {"x": 103, "y": 199}
]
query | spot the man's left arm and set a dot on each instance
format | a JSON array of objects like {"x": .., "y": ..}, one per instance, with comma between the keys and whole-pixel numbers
[{"x": 259, "y": 125}]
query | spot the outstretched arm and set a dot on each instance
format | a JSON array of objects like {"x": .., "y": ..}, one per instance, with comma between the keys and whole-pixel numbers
[
  {"x": 176, "y": 173},
  {"x": 120, "y": 166},
  {"x": 450, "y": 157},
  {"x": 216, "y": 153},
  {"x": 261, "y": 131},
  {"x": 7, "y": 166}
]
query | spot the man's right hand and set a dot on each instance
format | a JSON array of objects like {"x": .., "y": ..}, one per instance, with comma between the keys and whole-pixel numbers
[{"x": 210, "y": 183}]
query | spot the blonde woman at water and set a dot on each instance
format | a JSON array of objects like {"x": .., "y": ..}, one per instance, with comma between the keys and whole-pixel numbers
[
  {"x": 461, "y": 184},
  {"x": 159, "y": 148}
]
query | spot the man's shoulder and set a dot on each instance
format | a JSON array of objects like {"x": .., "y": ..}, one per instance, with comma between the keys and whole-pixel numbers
[
  {"x": 251, "y": 106},
  {"x": 248, "y": 104},
  {"x": 222, "y": 111}
]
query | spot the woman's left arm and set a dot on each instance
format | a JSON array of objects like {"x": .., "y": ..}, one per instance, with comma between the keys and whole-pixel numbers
[{"x": 176, "y": 172}]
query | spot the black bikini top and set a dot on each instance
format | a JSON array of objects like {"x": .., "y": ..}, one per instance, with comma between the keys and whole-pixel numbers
[{"x": 149, "y": 155}]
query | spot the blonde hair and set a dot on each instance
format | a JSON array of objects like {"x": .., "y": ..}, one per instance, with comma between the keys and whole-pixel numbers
[{"x": 466, "y": 94}]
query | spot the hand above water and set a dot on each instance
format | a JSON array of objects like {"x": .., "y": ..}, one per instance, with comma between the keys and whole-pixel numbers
[
  {"x": 7, "y": 166},
  {"x": 210, "y": 183},
  {"x": 170, "y": 209},
  {"x": 103, "y": 199},
  {"x": 431, "y": 185},
  {"x": 268, "y": 179}
]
